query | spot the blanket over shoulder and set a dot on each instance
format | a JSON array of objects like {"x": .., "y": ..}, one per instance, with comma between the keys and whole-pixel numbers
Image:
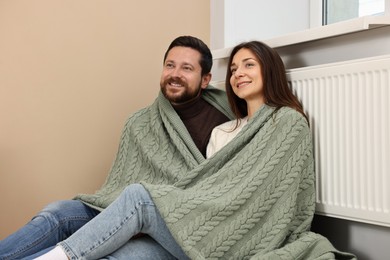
[{"x": 254, "y": 199}]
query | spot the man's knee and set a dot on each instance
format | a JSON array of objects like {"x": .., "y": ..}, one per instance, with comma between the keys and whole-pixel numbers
[
  {"x": 66, "y": 216},
  {"x": 54, "y": 212},
  {"x": 64, "y": 210},
  {"x": 61, "y": 207}
]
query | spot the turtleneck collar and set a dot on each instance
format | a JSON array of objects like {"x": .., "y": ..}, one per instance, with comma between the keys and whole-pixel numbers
[{"x": 191, "y": 108}]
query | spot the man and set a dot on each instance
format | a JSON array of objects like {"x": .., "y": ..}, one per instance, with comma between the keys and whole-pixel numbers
[{"x": 186, "y": 100}]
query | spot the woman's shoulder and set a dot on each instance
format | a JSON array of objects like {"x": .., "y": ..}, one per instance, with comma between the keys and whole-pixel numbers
[
  {"x": 291, "y": 115},
  {"x": 288, "y": 112}
]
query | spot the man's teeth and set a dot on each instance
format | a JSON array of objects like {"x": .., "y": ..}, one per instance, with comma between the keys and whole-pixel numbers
[{"x": 176, "y": 84}]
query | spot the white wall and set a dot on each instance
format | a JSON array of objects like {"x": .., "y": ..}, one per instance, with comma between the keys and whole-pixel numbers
[{"x": 364, "y": 240}]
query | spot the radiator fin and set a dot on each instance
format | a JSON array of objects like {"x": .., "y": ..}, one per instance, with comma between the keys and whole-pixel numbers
[{"x": 348, "y": 107}]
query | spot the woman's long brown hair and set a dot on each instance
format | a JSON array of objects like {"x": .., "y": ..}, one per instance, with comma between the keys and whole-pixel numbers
[{"x": 277, "y": 92}]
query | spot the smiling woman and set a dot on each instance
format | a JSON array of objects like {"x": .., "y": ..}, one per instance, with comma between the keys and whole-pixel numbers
[
  {"x": 256, "y": 76},
  {"x": 247, "y": 79},
  {"x": 255, "y": 79}
]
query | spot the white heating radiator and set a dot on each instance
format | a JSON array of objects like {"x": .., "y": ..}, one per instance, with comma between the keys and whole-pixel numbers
[{"x": 349, "y": 111}]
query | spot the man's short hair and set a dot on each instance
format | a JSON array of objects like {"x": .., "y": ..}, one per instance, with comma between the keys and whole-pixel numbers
[{"x": 206, "y": 60}]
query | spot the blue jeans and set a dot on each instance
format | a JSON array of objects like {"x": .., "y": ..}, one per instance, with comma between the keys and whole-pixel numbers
[
  {"x": 53, "y": 224},
  {"x": 57, "y": 222},
  {"x": 133, "y": 212},
  {"x": 142, "y": 248}
]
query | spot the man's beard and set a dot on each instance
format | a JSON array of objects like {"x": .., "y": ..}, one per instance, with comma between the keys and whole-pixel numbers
[{"x": 185, "y": 96}]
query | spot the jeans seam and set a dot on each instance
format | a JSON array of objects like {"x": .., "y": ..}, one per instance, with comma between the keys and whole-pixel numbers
[
  {"x": 68, "y": 251},
  {"x": 116, "y": 229}
]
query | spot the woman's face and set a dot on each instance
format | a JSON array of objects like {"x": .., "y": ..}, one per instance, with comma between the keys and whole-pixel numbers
[{"x": 246, "y": 79}]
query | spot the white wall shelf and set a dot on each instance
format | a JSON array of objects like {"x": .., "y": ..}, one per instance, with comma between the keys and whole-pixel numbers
[{"x": 322, "y": 32}]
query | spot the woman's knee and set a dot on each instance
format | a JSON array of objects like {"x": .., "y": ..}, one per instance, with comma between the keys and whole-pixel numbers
[{"x": 136, "y": 192}]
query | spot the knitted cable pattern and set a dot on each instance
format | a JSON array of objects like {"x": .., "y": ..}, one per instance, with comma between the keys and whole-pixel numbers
[{"x": 254, "y": 199}]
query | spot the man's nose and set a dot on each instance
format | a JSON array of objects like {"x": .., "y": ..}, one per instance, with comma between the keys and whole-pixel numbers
[{"x": 176, "y": 73}]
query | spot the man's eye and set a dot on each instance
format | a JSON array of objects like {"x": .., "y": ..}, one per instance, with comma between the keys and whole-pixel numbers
[
  {"x": 169, "y": 65},
  {"x": 187, "y": 68}
]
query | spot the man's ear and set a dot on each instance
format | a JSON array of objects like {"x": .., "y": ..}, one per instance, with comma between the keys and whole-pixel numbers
[{"x": 206, "y": 80}]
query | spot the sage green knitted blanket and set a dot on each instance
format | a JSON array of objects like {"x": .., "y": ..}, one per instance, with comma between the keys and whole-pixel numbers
[{"x": 255, "y": 198}]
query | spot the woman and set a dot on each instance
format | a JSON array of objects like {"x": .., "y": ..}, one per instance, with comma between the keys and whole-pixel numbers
[
  {"x": 254, "y": 198},
  {"x": 256, "y": 76}
]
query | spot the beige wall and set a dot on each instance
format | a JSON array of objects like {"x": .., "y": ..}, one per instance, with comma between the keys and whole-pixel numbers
[{"x": 70, "y": 73}]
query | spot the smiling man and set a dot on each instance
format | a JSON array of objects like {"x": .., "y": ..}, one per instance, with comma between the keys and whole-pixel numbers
[
  {"x": 175, "y": 128},
  {"x": 182, "y": 78},
  {"x": 185, "y": 76}
]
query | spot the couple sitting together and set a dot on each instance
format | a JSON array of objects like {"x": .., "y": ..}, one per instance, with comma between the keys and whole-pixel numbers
[{"x": 201, "y": 173}]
